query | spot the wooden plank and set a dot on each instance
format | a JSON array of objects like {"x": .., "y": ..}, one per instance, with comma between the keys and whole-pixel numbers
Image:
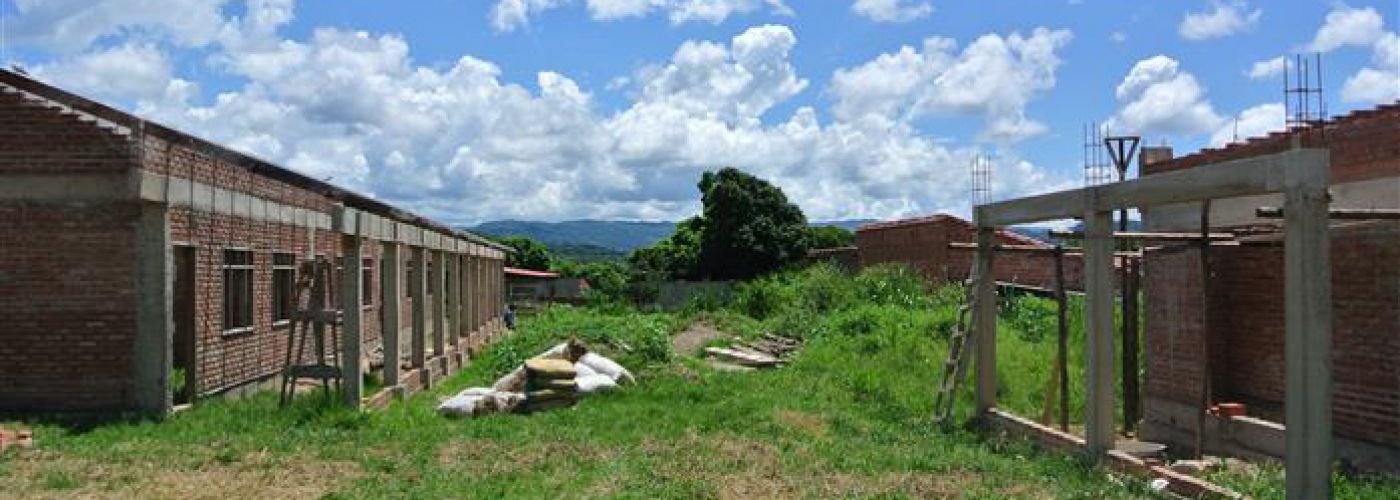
[
  {"x": 1308, "y": 338},
  {"x": 1338, "y": 213},
  {"x": 1099, "y": 332},
  {"x": 1145, "y": 235},
  {"x": 984, "y": 321},
  {"x": 744, "y": 358}
]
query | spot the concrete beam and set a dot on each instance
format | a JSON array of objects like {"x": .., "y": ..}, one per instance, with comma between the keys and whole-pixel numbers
[{"x": 1245, "y": 177}]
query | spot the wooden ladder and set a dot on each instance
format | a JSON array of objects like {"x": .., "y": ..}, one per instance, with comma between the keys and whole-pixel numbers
[
  {"x": 311, "y": 325},
  {"x": 954, "y": 368}
]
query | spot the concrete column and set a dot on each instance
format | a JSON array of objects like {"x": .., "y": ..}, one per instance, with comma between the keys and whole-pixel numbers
[
  {"x": 352, "y": 318},
  {"x": 419, "y": 285},
  {"x": 984, "y": 321},
  {"x": 390, "y": 271},
  {"x": 440, "y": 302},
  {"x": 1098, "y": 323},
  {"x": 454, "y": 305},
  {"x": 152, "y": 348},
  {"x": 1308, "y": 335}
]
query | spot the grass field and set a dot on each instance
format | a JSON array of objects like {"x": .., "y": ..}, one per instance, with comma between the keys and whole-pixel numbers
[{"x": 850, "y": 416}]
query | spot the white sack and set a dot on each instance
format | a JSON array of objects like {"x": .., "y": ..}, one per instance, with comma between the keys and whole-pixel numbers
[
  {"x": 477, "y": 401},
  {"x": 595, "y": 383},
  {"x": 607, "y": 367}
]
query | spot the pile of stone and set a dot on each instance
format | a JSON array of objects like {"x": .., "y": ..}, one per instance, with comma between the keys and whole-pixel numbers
[{"x": 549, "y": 384}]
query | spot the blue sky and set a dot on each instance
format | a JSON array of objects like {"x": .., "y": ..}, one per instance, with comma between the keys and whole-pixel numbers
[{"x": 559, "y": 109}]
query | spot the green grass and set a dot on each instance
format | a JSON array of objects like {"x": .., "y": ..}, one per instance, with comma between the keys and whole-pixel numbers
[{"x": 850, "y": 416}]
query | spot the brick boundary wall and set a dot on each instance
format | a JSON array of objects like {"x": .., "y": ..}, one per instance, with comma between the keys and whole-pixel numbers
[
  {"x": 1247, "y": 328},
  {"x": 922, "y": 244}
]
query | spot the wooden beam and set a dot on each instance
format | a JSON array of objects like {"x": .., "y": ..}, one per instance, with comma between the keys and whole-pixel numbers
[
  {"x": 1243, "y": 177},
  {"x": 1144, "y": 235},
  {"x": 1308, "y": 338},
  {"x": 1005, "y": 248},
  {"x": 984, "y": 322},
  {"x": 390, "y": 293},
  {"x": 352, "y": 320},
  {"x": 1338, "y": 213},
  {"x": 1099, "y": 331}
]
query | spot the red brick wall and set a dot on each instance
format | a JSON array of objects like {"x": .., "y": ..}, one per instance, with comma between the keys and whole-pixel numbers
[
  {"x": 1363, "y": 145},
  {"x": 1247, "y": 328},
  {"x": 67, "y": 270},
  {"x": 922, "y": 244},
  {"x": 67, "y": 306},
  {"x": 35, "y": 139}
]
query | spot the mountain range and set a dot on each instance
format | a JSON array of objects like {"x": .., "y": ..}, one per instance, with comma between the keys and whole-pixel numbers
[{"x": 600, "y": 235}]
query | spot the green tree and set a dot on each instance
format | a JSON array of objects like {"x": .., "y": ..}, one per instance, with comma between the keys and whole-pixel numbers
[
  {"x": 748, "y": 227},
  {"x": 529, "y": 254},
  {"x": 676, "y": 257},
  {"x": 829, "y": 237}
]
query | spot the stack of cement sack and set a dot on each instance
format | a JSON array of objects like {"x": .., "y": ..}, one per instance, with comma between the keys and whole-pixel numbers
[
  {"x": 549, "y": 384},
  {"x": 553, "y": 379}
]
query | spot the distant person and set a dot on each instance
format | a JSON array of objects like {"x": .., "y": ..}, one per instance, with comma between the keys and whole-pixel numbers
[{"x": 510, "y": 316}]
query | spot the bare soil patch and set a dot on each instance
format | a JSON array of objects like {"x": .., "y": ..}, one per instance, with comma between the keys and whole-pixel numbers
[{"x": 688, "y": 342}]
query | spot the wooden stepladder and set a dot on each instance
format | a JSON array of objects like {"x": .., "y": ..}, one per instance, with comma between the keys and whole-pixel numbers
[
  {"x": 954, "y": 367},
  {"x": 312, "y": 323}
]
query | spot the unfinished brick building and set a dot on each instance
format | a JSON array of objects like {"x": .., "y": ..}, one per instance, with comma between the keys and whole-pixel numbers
[
  {"x": 132, "y": 254},
  {"x": 1245, "y": 323},
  {"x": 922, "y": 244}
]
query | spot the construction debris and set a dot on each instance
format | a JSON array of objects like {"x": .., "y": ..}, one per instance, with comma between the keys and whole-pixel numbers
[
  {"x": 17, "y": 438},
  {"x": 552, "y": 379},
  {"x": 769, "y": 351}
]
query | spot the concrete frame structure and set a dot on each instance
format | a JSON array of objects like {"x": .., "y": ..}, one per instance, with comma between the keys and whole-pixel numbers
[
  {"x": 71, "y": 159},
  {"x": 1302, "y": 176}
]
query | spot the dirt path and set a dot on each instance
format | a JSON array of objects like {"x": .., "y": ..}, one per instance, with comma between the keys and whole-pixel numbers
[{"x": 690, "y": 341}]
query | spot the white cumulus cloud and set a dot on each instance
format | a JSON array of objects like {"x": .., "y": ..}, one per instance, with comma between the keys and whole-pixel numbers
[
  {"x": 1347, "y": 26},
  {"x": 73, "y": 25},
  {"x": 508, "y": 15},
  {"x": 1157, "y": 97},
  {"x": 1268, "y": 68},
  {"x": 1256, "y": 121},
  {"x": 892, "y": 11},
  {"x": 459, "y": 142},
  {"x": 995, "y": 76},
  {"x": 1224, "y": 18}
]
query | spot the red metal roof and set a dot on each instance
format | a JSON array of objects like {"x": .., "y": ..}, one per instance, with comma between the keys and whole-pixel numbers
[{"x": 530, "y": 273}]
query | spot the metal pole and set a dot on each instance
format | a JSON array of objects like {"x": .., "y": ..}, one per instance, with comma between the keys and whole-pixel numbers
[{"x": 1205, "y": 330}]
